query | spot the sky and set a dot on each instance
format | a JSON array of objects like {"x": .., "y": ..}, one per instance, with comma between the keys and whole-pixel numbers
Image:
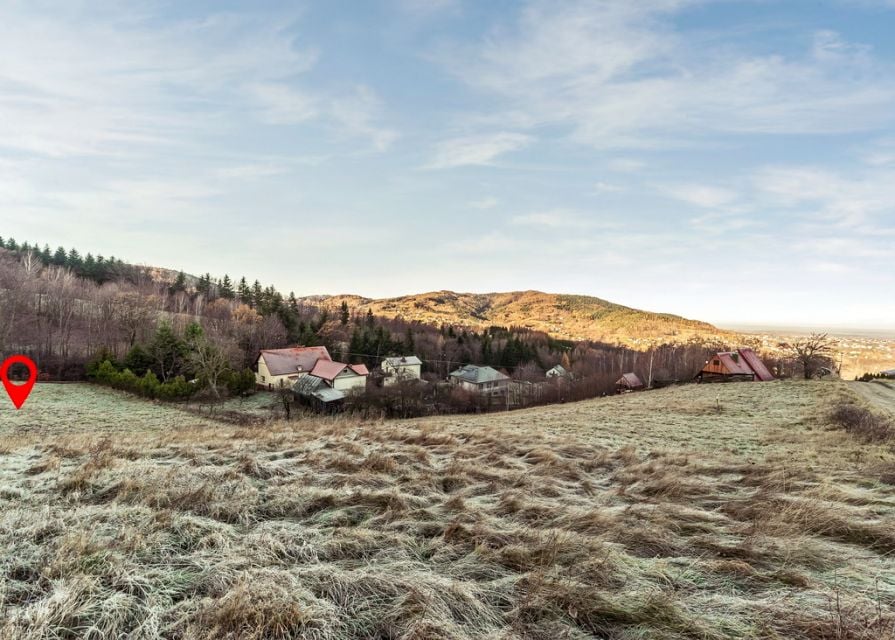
[{"x": 727, "y": 161}]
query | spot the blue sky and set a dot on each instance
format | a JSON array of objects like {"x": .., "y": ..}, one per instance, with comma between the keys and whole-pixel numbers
[{"x": 729, "y": 161}]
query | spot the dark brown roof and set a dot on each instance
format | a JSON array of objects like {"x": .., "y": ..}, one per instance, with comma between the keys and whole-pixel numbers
[
  {"x": 287, "y": 361},
  {"x": 630, "y": 380}
]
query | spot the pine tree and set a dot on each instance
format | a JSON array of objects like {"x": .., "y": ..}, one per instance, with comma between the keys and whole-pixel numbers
[
  {"x": 243, "y": 291},
  {"x": 45, "y": 256},
  {"x": 11, "y": 244},
  {"x": 73, "y": 261},
  {"x": 257, "y": 294},
  {"x": 59, "y": 258},
  {"x": 344, "y": 314},
  {"x": 370, "y": 319},
  {"x": 226, "y": 288},
  {"x": 179, "y": 284}
]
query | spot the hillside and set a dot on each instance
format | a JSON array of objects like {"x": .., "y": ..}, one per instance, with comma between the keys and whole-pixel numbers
[
  {"x": 562, "y": 316},
  {"x": 703, "y": 511}
]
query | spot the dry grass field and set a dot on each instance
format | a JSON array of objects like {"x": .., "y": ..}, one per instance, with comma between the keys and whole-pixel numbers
[{"x": 715, "y": 511}]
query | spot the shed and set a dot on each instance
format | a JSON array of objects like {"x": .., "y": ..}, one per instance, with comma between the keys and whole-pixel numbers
[{"x": 628, "y": 382}]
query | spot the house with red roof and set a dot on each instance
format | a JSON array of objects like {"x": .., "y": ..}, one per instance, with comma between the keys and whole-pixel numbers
[
  {"x": 276, "y": 367},
  {"x": 340, "y": 376},
  {"x": 742, "y": 364}
]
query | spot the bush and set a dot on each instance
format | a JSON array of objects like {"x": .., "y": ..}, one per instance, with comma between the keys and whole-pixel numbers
[
  {"x": 865, "y": 425},
  {"x": 148, "y": 386}
]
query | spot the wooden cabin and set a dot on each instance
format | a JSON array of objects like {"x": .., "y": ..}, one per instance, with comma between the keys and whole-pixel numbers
[
  {"x": 731, "y": 366},
  {"x": 629, "y": 382}
]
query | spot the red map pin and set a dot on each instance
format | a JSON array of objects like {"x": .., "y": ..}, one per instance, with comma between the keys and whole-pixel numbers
[{"x": 18, "y": 393}]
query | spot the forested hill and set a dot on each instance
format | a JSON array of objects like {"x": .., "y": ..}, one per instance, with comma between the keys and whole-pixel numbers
[{"x": 563, "y": 316}]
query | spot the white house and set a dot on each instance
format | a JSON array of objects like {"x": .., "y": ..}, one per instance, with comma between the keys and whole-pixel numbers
[
  {"x": 484, "y": 380},
  {"x": 400, "y": 369},
  {"x": 558, "y": 371},
  {"x": 340, "y": 376},
  {"x": 286, "y": 366}
]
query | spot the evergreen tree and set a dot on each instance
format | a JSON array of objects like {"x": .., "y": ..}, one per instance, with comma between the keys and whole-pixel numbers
[
  {"x": 179, "y": 284},
  {"x": 344, "y": 314},
  {"x": 370, "y": 319},
  {"x": 243, "y": 291},
  {"x": 168, "y": 352},
  {"x": 257, "y": 296},
  {"x": 59, "y": 258},
  {"x": 226, "y": 288},
  {"x": 73, "y": 261},
  {"x": 45, "y": 256},
  {"x": 11, "y": 244}
]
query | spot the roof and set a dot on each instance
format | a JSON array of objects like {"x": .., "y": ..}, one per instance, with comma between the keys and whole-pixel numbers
[
  {"x": 307, "y": 385},
  {"x": 630, "y": 380},
  {"x": 559, "y": 369},
  {"x": 325, "y": 394},
  {"x": 731, "y": 361},
  {"x": 743, "y": 362},
  {"x": 478, "y": 375},
  {"x": 286, "y": 361},
  {"x": 329, "y": 369},
  {"x": 755, "y": 363},
  {"x": 402, "y": 361}
]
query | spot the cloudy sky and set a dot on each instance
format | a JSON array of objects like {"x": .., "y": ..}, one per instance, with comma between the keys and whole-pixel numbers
[{"x": 729, "y": 161}]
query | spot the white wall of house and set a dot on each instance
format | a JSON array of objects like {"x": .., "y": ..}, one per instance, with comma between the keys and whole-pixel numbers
[
  {"x": 263, "y": 378},
  {"x": 350, "y": 381},
  {"x": 402, "y": 372},
  {"x": 498, "y": 386}
]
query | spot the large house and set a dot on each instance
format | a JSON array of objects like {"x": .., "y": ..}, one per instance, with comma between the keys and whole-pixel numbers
[
  {"x": 276, "y": 367},
  {"x": 742, "y": 364},
  {"x": 401, "y": 369},
  {"x": 484, "y": 380}
]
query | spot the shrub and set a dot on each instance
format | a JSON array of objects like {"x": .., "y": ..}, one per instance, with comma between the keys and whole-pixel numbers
[{"x": 864, "y": 424}]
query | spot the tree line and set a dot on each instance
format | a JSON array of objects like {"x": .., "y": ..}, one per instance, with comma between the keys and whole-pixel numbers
[{"x": 67, "y": 317}]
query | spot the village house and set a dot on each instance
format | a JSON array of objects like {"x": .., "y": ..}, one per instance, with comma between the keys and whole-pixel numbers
[
  {"x": 401, "y": 369},
  {"x": 558, "y": 371},
  {"x": 276, "y": 367},
  {"x": 628, "y": 382},
  {"x": 340, "y": 376},
  {"x": 483, "y": 380},
  {"x": 742, "y": 364}
]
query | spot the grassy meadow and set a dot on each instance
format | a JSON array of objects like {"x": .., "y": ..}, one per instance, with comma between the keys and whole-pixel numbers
[{"x": 705, "y": 511}]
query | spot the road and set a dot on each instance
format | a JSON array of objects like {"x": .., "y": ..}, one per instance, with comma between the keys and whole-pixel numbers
[{"x": 880, "y": 393}]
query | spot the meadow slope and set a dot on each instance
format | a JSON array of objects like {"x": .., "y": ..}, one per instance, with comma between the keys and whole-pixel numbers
[{"x": 716, "y": 511}]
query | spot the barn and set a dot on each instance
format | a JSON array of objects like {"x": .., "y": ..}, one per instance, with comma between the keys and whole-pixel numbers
[{"x": 740, "y": 365}]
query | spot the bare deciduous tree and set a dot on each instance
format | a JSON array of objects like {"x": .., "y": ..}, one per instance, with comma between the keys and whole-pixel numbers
[{"x": 812, "y": 353}]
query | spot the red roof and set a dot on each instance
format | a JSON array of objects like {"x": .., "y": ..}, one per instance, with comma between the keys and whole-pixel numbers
[
  {"x": 329, "y": 370},
  {"x": 734, "y": 365},
  {"x": 288, "y": 361},
  {"x": 755, "y": 363}
]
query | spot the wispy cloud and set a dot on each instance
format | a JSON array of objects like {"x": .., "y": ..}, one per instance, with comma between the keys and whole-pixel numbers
[
  {"x": 619, "y": 75},
  {"x": 476, "y": 150},
  {"x": 701, "y": 195}
]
